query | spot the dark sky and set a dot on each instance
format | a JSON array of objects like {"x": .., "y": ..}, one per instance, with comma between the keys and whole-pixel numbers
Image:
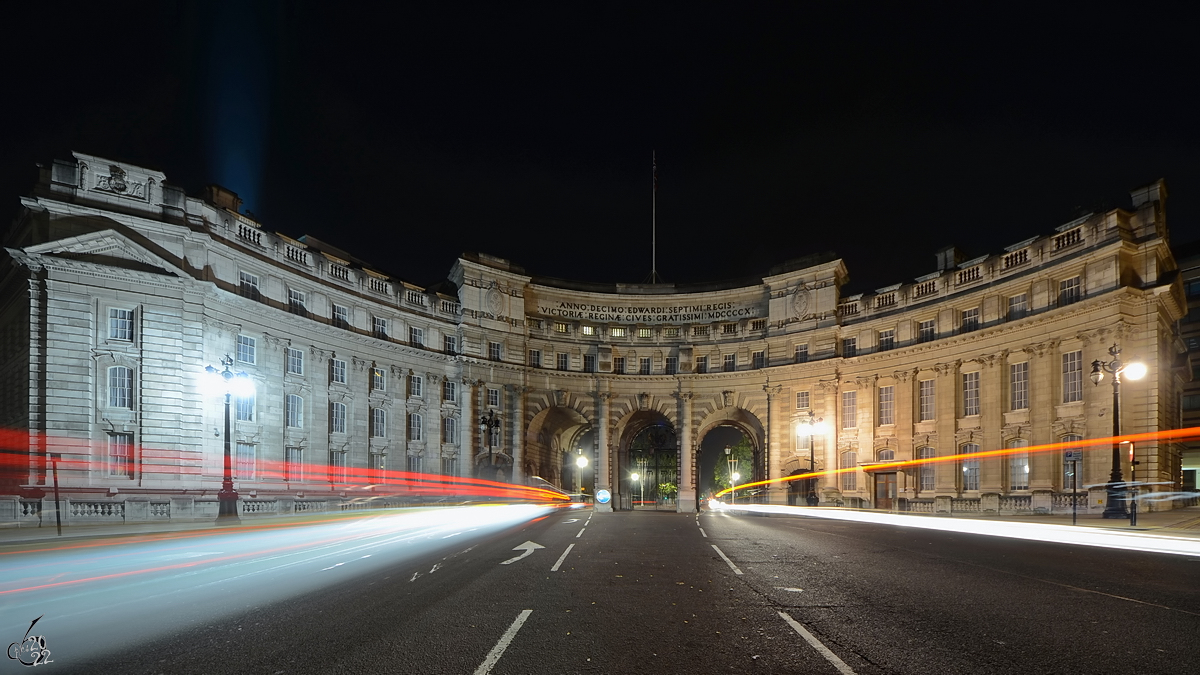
[{"x": 407, "y": 136}]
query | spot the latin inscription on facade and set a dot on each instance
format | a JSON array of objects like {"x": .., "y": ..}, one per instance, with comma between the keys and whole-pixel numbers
[{"x": 651, "y": 313}]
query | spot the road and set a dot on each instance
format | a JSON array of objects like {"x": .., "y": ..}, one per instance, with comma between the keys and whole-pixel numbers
[{"x": 469, "y": 592}]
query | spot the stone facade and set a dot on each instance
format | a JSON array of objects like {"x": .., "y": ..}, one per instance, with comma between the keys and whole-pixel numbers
[{"x": 123, "y": 290}]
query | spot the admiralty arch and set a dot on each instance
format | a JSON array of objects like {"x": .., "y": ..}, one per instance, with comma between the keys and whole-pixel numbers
[{"x": 123, "y": 290}]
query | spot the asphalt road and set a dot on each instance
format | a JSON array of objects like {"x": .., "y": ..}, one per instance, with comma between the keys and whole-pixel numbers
[{"x": 639, "y": 592}]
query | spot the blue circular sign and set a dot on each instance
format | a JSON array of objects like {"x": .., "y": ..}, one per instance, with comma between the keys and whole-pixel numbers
[{"x": 603, "y": 496}]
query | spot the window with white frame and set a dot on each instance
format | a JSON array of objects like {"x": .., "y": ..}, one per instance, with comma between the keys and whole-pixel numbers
[
  {"x": 120, "y": 324},
  {"x": 416, "y": 336},
  {"x": 801, "y": 353},
  {"x": 970, "y": 393},
  {"x": 1018, "y": 306},
  {"x": 1018, "y": 466},
  {"x": 376, "y": 466},
  {"x": 295, "y": 411},
  {"x": 414, "y": 464},
  {"x": 246, "y": 350},
  {"x": 926, "y": 469},
  {"x": 887, "y": 405},
  {"x": 926, "y": 400},
  {"x": 295, "y": 361},
  {"x": 619, "y": 365},
  {"x": 495, "y": 351},
  {"x": 802, "y": 400},
  {"x": 849, "y": 460},
  {"x": 378, "y": 423},
  {"x": 450, "y": 430},
  {"x": 850, "y": 409},
  {"x": 1072, "y": 377},
  {"x": 970, "y": 467},
  {"x": 1071, "y": 479},
  {"x": 337, "y": 418},
  {"x": 293, "y": 463},
  {"x": 244, "y": 408},
  {"x": 589, "y": 363},
  {"x": 337, "y": 371},
  {"x": 617, "y": 331},
  {"x": 887, "y": 339},
  {"x": 450, "y": 344},
  {"x": 296, "y": 302},
  {"x": 379, "y": 326},
  {"x": 414, "y": 427},
  {"x": 588, "y": 330},
  {"x": 120, "y": 455},
  {"x": 449, "y": 466},
  {"x": 849, "y": 347},
  {"x": 970, "y": 320},
  {"x": 927, "y": 331},
  {"x": 247, "y": 461},
  {"x": 644, "y": 333},
  {"x": 561, "y": 327},
  {"x": 378, "y": 379},
  {"x": 759, "y": 359},
  {"x": 120, "y": 387},
  {"x": 672, "y": 365},
  {"x": 886, "y": 455},
  {"x": 341, "y": 316},
  {"x": 337, "y": 466},
  {"x": 493, "y": 397},
  {"x": 535, "y": 358},
  {"x": 729, "y": 363},
  {"x": 644, "y": 365},
  {"x": 416, "y": 386},
  {"x": 1069, "y": 291},
  {"x": 563, "y": 360},
  {"x": 449, "y": 391},
  {"x": 1018, "y": 386},
  {"x": 248, "y": 286}
]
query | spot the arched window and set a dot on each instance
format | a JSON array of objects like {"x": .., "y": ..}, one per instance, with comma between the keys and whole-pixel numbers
[
  {"x": 849, "y": 478},
  {"x": 120, "y": 387},
  {"x": 886, "y": 455},
  {"x": 1018, "y": 466},
  {"x": 970, "y": 467},
  {"x": 926, "y": 475},
  {"x": 295, "y": 411}
]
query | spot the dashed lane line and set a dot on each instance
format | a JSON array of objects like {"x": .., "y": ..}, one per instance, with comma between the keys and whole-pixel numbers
[
  {"x": 561, "y": 558},
  {"x": 494, "y": 656},
  {"x": 703, "y": 533},
  {"x": 816, "y": 644},
  {"x": 727, "y": 560},
  {"x": 580, "y": 533}
]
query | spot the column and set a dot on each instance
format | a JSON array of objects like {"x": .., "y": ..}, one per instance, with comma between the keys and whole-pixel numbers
[
  {"x": 604, "y": 460},
  {"x": 945, "y": 407},
  {"x": 688, "y": 495},
  {"x": 905, "y": 447},
  {"x": 466, "y": 435},
  {"x": 1045, "y": 395},
  {"x": 517, "y": 424},
  {"x": 776, "y": 492},
  {"x": 830, "y": 484}
]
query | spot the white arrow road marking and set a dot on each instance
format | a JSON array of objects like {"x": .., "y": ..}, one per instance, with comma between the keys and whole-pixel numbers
[
  {"x": 562, "y": 558},
  {"x": 528, "y": 547},
  {"x": 436, "y": 567},
  {"x": 571, "y": 520}
]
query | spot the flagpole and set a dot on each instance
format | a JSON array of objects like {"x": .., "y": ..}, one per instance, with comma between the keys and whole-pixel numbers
[{"x": 653, "y": 218}]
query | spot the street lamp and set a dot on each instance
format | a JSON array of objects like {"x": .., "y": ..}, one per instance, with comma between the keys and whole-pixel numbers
[
  {"x": 641, "y": 488},
  {"x": 1134, "y": 371},
  {"x": 810, "y": 427},
  {"x": 580, "y": 462},
  {"x": 733, "y": 475},
  {"x": 489, "y": 424},
  {"x": 230, "y": 383},
  {"x": 734, "y": 478}
]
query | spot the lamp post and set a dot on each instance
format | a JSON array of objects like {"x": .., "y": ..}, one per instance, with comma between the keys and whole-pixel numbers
[
  {"x": 230, "y": 383},
  {"x": 636, "y": 477},
  {"x": 733, "y": 475},
  {"x": 811, "y": 426},
  {"x": 489, "y": 424},
  {"x": 580, "y": 463},
  {"x": 1134, "y": 371}
]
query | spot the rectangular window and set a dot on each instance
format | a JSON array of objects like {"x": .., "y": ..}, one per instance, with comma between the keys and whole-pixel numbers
[
  {"x": 1017, "y": 307},
  {"x": 414, "y": 427},
  {"x": 120, "y": 324},
  {"x": 617, "y": 331},
  {"x": 701, "y": 364},
  {"x": 449, "y": 391},
  {"x": 970, "y": 393},
  {"x": 561, "y": 327},
  {"x": 450, "y": 466},
  {"x": 758, "y": 324},
  {"x": 450, "y": 430},
  {"x": 849, "y": 347},
  {"x": 729, "y": 329},
  {"x": 379, "y": 327},
  {"x": 644, "y": 333},
  {"x": 378, "y": 423},
  {"x": 563, "y": 361},
  {"x": 849, "y": 460},
  {"x": 1018, "y": 383},
  {"x": 644, "y": 365},
  {"x": 244, "y": 407},
  {"x": 619, "y": 365},
  {"x": 927, "y": 476},
  {"x": 926, "y": 400},
  {"x": 588, "y": 330},
  {"x": 699, "y": 331},
  {"x": 493, "y": 398},
  {"x": 120, "y": 387},
  {"x": 970, "y": 320},
  {"x": 378, "y": 379},
  {"x": 887, "y": 340},
  {"x": 1072, "y": 377},
  {"x": 759, "y": 359},
  {"x": 414, "y": 464},
  {"x": 1018, "y": 467},
  {"x": 672, "y": 365},
  {"x": 341, "y": 316},
  {"x": 495, "y": 352},
  {"x": 970, "y": 467},
  {"x": 416, "y": 336},
  {"x": 294, "y": 411},
  {"x": 245, "y": 349},
  {"x": 294, "y": 463},
  {"x": 416, "y": 386},
  {"x": 849, "y": 409},
  {"x": 535, "y": 358},
  {"x": 802, "y": 400},
  {"x": 337, "y": 371},
  {"x": 120, "y": 455},
  {"x": 248, "y": 286},
  {"x": 729, "y": 363},
  {"x": 295, "y": 361},
  {"x": 801, "y": 353},
  {"x": 670, "y": 332},
  {"x": 927, "y": 331},
  {"x": 589, "y": 363},
  {"x": 337, "y": 418},
  {"x": 450, "y": 344},
  {"x": 247, "y": 462},
  {"x": 337, "y": 466},
  {"x": 296, "y": 302},
  {"x": 887, "y": 405},
  {"x": 1069, "y": 291},
  {"x": 376, "y": 467}
]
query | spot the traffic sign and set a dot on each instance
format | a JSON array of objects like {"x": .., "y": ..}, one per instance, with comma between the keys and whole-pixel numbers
[
  {"x": 1073, "y": 455},
  {"x": 603, "y": 496}
]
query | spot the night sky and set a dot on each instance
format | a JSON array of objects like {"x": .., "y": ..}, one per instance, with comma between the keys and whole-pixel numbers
[{"x": 407, "y": 136}]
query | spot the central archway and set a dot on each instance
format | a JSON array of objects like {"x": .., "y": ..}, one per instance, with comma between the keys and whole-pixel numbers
[{"x": 649, "y": 448}]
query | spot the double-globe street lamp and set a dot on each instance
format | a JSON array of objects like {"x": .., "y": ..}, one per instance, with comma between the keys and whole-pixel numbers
[
  {"x": 811, "y": 426},
  {"x": 230, "y": 383},
  {"x": 488, "y": 425},
  {"x": 1133, "y": 371},
  {"x": 733, "y": 474}
]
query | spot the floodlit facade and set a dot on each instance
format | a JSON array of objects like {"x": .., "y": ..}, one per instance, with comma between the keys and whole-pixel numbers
[{"x": 123, "y": 290}]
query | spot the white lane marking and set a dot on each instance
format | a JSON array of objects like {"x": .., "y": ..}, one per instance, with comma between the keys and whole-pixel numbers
[
  {"x": 571, "y": 520},
  {"x": 529, "y": 547},
  {"x": 561, "y": 558},
  {"x": 580, "y": 532},
  {"x": 703, "y": 533},
  {"x": 436, "y": 567},
  {"x": 414, "y": 577},
  {"x": 808, "y": 637},
  {"x": 727, "y": 560},
  {"x": 498, "y": 651},
  {"x": 789, "y": 589},
  {"x": 342, "y": 563},
  {"x": 453, "y": 534}
]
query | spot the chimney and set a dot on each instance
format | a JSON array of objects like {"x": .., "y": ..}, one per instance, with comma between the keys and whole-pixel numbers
[
  {"x": 948, "y": 258},
  {"x": 1149, "y": 193},
  {"x": 223, "y": 198}
]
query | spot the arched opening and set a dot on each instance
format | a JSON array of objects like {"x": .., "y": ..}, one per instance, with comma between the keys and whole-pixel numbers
[
  {"x": 553, "y": 434},
  {"x": 728, "y": 428},
  {"x": 650, "y": 449}
]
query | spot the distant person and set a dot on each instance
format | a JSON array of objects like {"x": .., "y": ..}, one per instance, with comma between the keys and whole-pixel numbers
[{"x": 812, "y": 499}]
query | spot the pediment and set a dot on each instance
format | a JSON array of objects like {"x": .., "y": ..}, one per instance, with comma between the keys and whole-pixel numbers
[{"x": 107, "y": 247}]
